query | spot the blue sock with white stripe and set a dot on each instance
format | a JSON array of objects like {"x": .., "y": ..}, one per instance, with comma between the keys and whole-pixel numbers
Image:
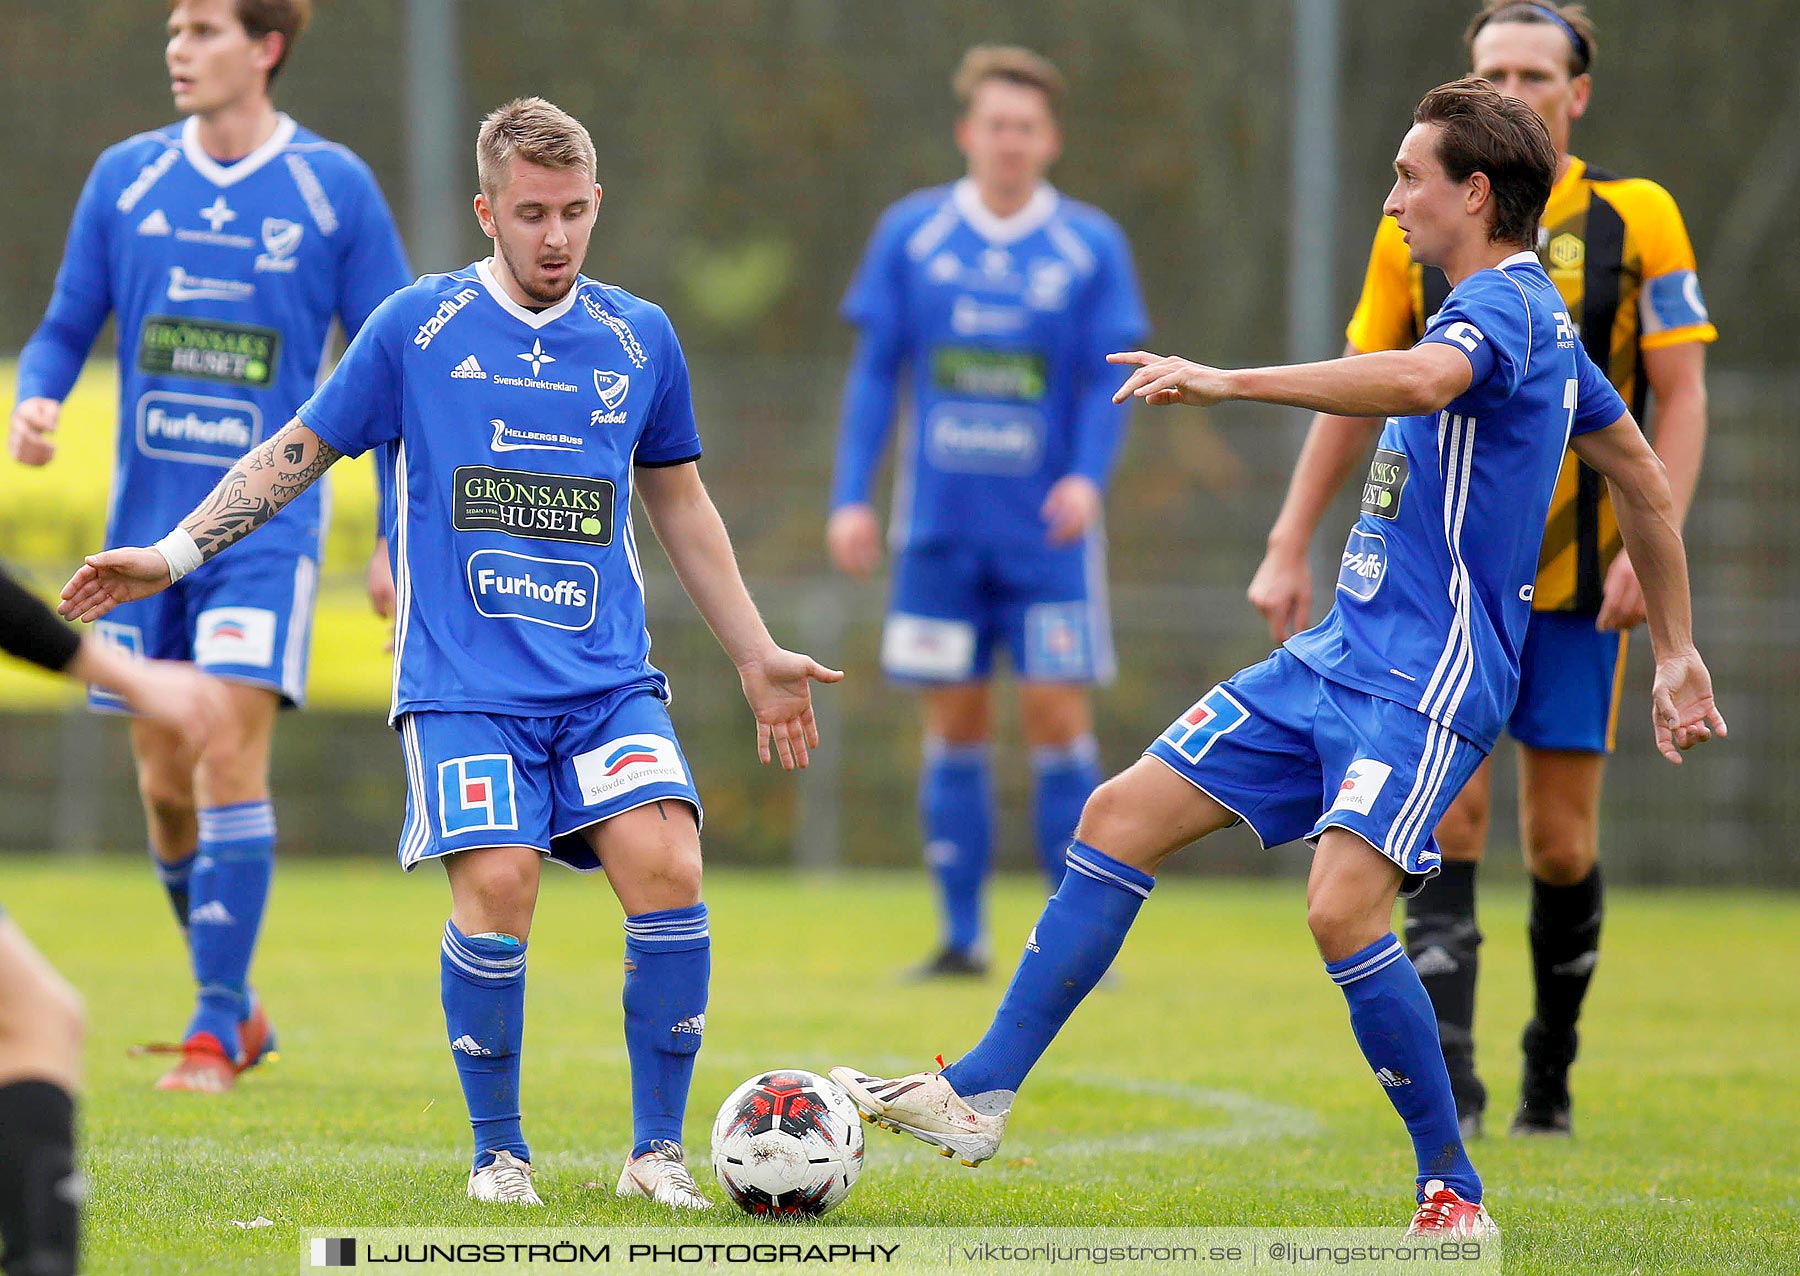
[
  {"x": 177, "y": 878},
  {"x": 482, "y": 983},
  {"x": 956, "y": 808},
  {"x": 1392, "y": 1018},
  {"x": 1062, "y": 780},
  {"x": 1073, "y": 943},
  {"x": 668, "y": 965},
  {"x": 227, "y": 892}
]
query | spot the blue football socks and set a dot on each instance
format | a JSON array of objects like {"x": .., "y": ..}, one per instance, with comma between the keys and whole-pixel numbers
[
  {"x": 483, "y": 988},
  {"x": 668, "y": 966},
  {"x": 1392, "y": 1018},
  {"x": 1062, "y": 779},
  {"x": 227, "y": 892},
  {"x": 176, "y": 878},
  {"x": 1073, "y": 943},
  {"x": 956, "y": 809}
]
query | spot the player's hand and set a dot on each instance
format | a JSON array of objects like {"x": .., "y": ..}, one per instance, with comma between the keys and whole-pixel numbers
[
  {"x": 1163, "y": 379},
  {"x": 1622, "y": 599},
  {"x": 853, "y": 538},
  {"x": 178, "y": 695},
  {"x": 32, "y": 438},
  {"x": 777, "y": 687},
  {"x": 381, "y": 586},
  {"x": 1683, "y": 705},
  {"x": 1282, "y": 591},
  {"x": 106, "y": 580},
  {"x": 1072, "y": 507}
]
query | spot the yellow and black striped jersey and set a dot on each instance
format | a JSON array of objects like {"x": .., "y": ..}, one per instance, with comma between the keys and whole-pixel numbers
[{"x": 1617, "y": 250}]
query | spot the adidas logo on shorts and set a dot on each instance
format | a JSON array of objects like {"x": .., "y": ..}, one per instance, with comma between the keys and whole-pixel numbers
[{"x": 469, "y": 370}]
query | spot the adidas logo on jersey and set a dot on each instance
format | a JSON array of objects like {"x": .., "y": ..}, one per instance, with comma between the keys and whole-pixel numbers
[
  {"x": 695, "y": 1024},
  {"x": 469, "y": 370},
  {"x": 155, "y": 224},
  {"x": 212, "y": 914},
  {"x": 468, "y": 1045},
  {"x": 1391, "y": 1079}
]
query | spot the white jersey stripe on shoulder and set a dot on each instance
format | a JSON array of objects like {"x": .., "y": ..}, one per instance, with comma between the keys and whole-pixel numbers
[
  {"x": 933, "y": 231},
  {"x": 1071, "y": 246}
]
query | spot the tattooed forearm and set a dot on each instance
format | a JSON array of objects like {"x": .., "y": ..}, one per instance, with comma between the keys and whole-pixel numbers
[{"x": 258, "y": 486}]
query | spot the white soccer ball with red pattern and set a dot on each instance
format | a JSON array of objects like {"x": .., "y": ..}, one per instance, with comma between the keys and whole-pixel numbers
[{"x": 786, "y": 1144}]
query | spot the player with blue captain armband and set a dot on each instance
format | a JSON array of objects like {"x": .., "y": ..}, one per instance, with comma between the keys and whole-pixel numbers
[
  {"x": 999, "y": 298},
  {"x": 224, "y": 246},
  {"x": 1358, "y": 733}
]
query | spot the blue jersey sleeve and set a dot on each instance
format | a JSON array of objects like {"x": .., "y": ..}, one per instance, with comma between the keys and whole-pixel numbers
[
  {"x": 373, "y": 267},
  {"x": 359, "y": 406},
  {"x": 52, "y": 359},
  {"x": 1597, "y": 403},
  {"x": 1115, "y": 321},
  {"x": 1488, "y": 321},
  {"x": 876, "y": 303},
  {"x": 670, "y": 435}
]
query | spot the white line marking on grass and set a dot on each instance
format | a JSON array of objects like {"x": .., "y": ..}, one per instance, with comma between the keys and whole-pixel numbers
[{"x": 1249, "y": 1120}]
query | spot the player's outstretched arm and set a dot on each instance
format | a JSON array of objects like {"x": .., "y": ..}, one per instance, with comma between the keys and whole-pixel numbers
[
  {"x": 776, "y": 681},
  {"x": 1683, "y": 697},
  {"x": 251, "y": 493},
  {"x": 1281, "y": 589},
  {"x": 1387, "y": 383}
]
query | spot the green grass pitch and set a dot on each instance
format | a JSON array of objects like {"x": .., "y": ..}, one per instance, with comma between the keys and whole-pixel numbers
[{"x": 1216, "y": 1084}]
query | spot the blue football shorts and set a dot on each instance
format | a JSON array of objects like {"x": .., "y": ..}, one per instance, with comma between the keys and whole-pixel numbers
[
  {"x": 1292, "y": 754},
  {"x": 1571, "y": 680},
  {"x": 954, "y": 605},
  {"x": 482, "y": 779},
  {"x": 244, "y": 617}
]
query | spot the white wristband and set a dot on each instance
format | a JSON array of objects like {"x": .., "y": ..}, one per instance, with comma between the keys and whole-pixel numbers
[{"x": 180, "y": 553}]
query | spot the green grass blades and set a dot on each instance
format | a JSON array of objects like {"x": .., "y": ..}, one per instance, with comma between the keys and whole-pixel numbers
[{"x": 1216, "y": 1083}]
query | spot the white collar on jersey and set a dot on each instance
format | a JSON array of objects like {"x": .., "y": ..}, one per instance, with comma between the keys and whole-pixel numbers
[
  {"x": 1519, "y": 258},
  {"x": 484, "y": 271},
  {"x": 230, "y": 174},
  {"x": 1040, "y": 208}
]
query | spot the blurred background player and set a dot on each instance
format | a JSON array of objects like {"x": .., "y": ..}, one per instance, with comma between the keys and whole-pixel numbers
[
  {"x": 1618, "y": 252},
  {"x": 529, "y": 402},
  {"x": 1357, "y": 733},
  {"x": 224, "y": 245},
  {"x": 40, "y": 1015},
  {"x": 1003, "y": 298}
]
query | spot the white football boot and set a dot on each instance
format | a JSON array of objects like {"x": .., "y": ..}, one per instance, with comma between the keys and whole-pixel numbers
[
  {"x": 504, "y": 1181},
  {"x": 924, "y": 1106},
  {"x": 660, "y": 1175}
]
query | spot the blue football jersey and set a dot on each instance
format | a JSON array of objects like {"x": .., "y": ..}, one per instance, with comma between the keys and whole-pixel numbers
[
  {"x": 224, "y": 279},
  {"x": 1005, "y": 324},
  {"x": 516, "y": 573},
  {"x": 1434, "y": 590}
]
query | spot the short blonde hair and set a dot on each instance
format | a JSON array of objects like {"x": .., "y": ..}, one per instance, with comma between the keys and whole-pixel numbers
[
  {"x": 535, "y": 131},
  {"x": 1011, "y": 63}
]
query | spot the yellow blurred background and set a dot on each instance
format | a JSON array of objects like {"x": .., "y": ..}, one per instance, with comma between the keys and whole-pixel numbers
[{"x": 51, "y": 516}]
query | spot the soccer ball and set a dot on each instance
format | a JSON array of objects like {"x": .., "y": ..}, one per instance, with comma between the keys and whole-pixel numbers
[{"x": 787, "y": 1144}]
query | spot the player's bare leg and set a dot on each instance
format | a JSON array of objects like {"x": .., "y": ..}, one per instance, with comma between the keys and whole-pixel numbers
[
  {"x": 1559, "y": 827},
  {"x": 956, "y": 814},
  {"x": 1131, "y": 824},
  {"x": 229, "y": 885},
  {"x": 1444, "y": 941},
  {"x": 651, "y": 856},
  {"x": 165, "y": 775},
  {"x": 493, "y": 895},
  {"x": 41, "y": 1030}
]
